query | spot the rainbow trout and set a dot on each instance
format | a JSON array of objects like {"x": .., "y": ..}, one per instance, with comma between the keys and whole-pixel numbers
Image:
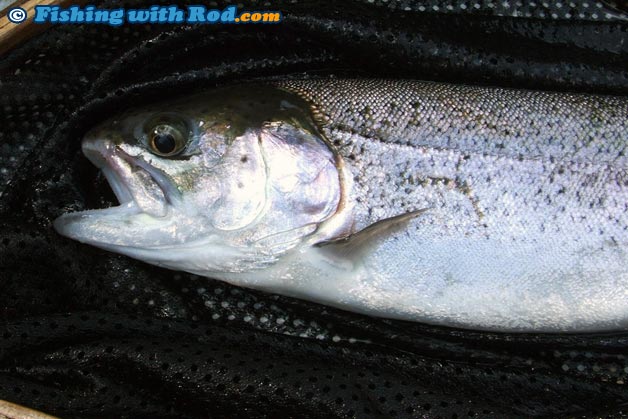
[{"x": 473, "y": 207}]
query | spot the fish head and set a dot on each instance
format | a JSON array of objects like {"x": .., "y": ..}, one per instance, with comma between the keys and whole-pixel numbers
[{"x": 223, "y": 181}]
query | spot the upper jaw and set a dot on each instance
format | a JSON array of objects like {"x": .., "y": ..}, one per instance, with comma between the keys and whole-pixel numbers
[{"x": 133, "y": 181}]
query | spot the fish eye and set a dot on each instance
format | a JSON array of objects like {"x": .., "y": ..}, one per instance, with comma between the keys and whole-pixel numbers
[
  {"x": 166, "y": 140},
  {"x": 166, "y": 136}
]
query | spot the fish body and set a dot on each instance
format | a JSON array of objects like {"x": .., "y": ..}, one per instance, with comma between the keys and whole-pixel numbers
[{"x": 474, "y": 207}]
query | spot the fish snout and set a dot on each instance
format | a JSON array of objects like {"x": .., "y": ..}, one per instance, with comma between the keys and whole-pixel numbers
[{"x": 97, "y": 149}]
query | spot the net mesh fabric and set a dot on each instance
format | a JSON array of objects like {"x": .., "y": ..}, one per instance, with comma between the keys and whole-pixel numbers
[{"x": 93, "y": 334}]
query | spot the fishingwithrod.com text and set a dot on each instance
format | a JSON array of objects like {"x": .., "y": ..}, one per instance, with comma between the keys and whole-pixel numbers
[{"x": 197, "y": 14}]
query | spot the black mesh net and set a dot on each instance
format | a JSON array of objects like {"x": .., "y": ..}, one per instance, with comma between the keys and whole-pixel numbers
[{"x": 88, "y": 333}]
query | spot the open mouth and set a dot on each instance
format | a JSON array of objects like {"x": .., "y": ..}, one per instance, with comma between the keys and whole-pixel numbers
[
  {"x": 134, "y": 182},
  {"x": 144, "y": 193},
  {"x": 118, "y": 176}
]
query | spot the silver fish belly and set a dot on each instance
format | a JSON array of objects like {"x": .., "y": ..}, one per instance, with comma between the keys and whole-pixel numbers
[{"x": 474, "y": 207}]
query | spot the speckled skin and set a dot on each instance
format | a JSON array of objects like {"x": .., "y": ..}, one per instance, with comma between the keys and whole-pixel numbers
[{"x": 527, "y": 194}]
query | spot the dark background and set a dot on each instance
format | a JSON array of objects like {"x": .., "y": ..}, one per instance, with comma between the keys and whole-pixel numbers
[{"x": 88, "y": 333}]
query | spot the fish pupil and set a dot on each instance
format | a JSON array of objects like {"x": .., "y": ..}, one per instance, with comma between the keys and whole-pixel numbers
[{"x": 164, "y": 142}]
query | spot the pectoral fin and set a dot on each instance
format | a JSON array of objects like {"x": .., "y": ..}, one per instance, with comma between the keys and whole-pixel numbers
[{"x": 348, "y": 251}]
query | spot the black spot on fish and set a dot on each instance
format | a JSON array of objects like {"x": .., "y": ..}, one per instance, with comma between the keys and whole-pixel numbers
[{"x": 244, "y": 159}]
